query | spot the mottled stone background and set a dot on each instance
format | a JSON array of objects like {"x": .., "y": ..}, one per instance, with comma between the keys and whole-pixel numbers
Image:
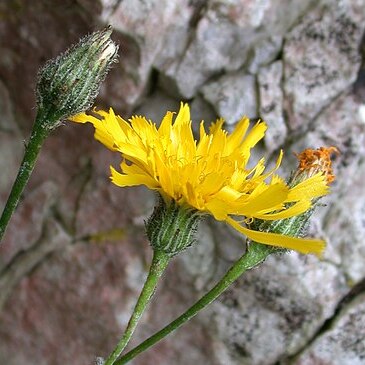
[{"x": 75, "y": 254}]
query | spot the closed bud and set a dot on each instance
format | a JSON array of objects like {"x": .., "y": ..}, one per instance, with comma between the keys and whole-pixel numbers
[{"x": 69, "y": 83}]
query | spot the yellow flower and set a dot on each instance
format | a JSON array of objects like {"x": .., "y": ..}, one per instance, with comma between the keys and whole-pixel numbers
[{"x": 211, "y": 175}]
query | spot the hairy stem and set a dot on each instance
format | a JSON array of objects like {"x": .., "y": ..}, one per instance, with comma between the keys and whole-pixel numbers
[
  {"x": 159, "y": 263},
  {"x": 38, "y": 135}
]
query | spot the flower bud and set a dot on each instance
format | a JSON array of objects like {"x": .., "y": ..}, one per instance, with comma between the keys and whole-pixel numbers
[
  {"x": 316, "y": 161},
  {"x": 172, "y": 227},
  {"x": 69, "y": 83},
  {"x": 311, "y": 163}
]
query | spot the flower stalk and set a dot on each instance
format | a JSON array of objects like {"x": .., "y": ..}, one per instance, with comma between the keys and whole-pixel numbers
[
  {"x": 255, "y": 255},
  {"x": 171, "y": 229},
  {"x": 159, "y": 263},
  {"x": 32, "y": 149}
]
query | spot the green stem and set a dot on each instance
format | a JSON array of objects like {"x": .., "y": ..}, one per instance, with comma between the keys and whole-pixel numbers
[
  {"x": 159, "y": 263},
  {"x": 256, "y": 254},
  {"x": 37, "y": 137}
]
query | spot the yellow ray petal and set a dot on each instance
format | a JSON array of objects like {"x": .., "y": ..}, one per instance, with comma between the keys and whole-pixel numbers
[
  {"x": 218, "y": 208},
  {"x": 301, "y": 245},
  {"x": 270, "y": 198},
  {"x": 310, "y": 188},
  {"x": 183, "y": 116},
  {"x": 113, "y": 127},
  {"x": 277, "y": 165},
  {"x": 105, "y": 138},
  {"x": 81, "y": 118},
  {"x": 296, "y": 209},
  {"x": 132, "y": 180},
  {"x": 255, "y": 135},
  {"x": 165, "y": 126},
  {"x": 236, "y": 137},
  {"x": 216, "y": 126}
]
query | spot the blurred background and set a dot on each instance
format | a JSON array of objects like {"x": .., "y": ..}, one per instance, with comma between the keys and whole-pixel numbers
[{"x": 75, "y": 254}]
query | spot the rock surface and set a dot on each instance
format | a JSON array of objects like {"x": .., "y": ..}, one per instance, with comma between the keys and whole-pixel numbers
[
  {"x": 343, "y": 343},
  {"x": 75, "y": 254},
  {"x": 321, "y": 58},
  {"x": 271, "y": 104},
  {"x": 233, "y": 96}
]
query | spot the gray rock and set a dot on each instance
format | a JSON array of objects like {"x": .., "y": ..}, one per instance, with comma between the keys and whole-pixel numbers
[
  {"x": 271, "y": 104},
  {"x": 53, "y": 239},
  {"x": 362, "y": 113},
  {"x": 99, "y": 361},
  {"x": 199, "y": 260},
  {"x": 216, "y": 46},
  {"x": 30, "y": 215},
  {"x": 201, "y": 110},
  {"x": 166, "y": 62},
  {"x": 341, "y": 126},
  {"x": 230, "y": 245},
  {"x": 147, "y": 35},
  {"x": 228, "y": 36},
  {"x": 343, "y": 343},
  {"x": 345, "y": 227},
  {"x": 264, "y": 52},
  {"x": 233, "y": 96},
  {"x": 321, "y": 58},
  {"x": 7, "y": 122},
  {"x": 11, "y": 151},
  {"x": 272, "y": 311},
  {"x": 267, "y": 17},
  {"x": 156, "y": 106}
]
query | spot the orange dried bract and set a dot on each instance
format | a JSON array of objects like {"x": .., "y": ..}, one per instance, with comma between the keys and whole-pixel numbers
[{"x": 319, "y": 160}]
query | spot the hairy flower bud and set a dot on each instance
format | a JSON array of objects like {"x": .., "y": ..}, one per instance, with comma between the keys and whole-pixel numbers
[{"x": 69, "y": 83}]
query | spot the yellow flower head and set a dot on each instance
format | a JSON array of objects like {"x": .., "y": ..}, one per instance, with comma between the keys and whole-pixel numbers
[{"x": 210, "y": 175}]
